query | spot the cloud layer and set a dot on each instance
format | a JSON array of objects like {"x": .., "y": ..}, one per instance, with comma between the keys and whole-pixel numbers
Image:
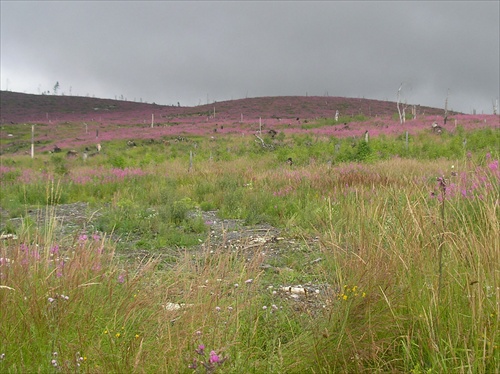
[{"x": 194, "y": 52}]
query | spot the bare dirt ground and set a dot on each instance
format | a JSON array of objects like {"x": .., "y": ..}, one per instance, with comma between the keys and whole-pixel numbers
[{"x": 70, "y": 220}]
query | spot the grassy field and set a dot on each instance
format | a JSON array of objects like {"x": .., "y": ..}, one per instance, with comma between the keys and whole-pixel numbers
[{"x": 399, "y": 240}]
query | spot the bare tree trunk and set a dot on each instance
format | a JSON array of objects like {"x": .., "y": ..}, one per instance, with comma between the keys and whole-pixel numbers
[
  {"x": 446, "y": 104},
  {"x": 32, "y": 141},
  {"x": 399, "y": 102}
]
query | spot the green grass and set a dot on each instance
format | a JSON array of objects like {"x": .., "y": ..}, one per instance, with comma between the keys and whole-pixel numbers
[{"x": 408, "y": 277}]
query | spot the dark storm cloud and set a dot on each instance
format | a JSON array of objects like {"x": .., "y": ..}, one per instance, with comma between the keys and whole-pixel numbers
[{"x": 193, "y": 51}]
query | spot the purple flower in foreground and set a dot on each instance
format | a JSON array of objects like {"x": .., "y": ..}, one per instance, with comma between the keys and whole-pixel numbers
[
  {"x": 201, "y": 349},
  {"x": 54, "y": 250},
  {"x": 82, "y": 238},
  {"x": 121, "y": 278},
  {"x": 214, "y": 358}
]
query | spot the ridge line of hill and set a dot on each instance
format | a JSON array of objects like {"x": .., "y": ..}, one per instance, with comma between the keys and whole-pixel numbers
[{"x": 18, "y": 107}]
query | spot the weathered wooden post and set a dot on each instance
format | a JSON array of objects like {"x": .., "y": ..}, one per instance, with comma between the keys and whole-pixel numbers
[
  {"x": 32, "y": 141},
  {"x": 152, "y": 120},
  {"x": 260, "y": 126},
  {"x": 406, "y": 140},
  {"x": 190, "y": 160}
]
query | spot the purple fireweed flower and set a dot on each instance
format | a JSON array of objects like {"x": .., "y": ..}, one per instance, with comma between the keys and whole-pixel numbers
[
  {"x": 201, "y": 349},
  {"x": 51, "y": 299},
  {"x": 214, "y": 358},
  {"x": 96, "y": 237},
  {"x": 83, "y": 237},
  {"x": 121, "y": 278},
  {"x": 54, "y": 250}
]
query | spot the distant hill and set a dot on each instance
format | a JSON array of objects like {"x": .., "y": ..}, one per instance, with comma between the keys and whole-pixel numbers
[{"x": 28, "y": 108}]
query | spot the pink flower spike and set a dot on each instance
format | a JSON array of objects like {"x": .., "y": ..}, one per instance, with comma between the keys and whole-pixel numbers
[
  {"x": 201, "y": 349},
  {"x": 54, "y": 250},
  {"x": 214, "y": 358}
]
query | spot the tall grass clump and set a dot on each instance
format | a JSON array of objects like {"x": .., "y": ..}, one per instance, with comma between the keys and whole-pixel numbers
[
  {"x": 417, "y": 276},
  {"x": 77, "y": 307}
]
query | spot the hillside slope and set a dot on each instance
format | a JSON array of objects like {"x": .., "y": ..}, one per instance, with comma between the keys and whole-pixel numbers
[{"x": 28, "y": 108}]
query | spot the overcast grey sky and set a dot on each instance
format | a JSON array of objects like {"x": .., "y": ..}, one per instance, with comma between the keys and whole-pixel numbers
[{"x": 190, "y": 52}]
